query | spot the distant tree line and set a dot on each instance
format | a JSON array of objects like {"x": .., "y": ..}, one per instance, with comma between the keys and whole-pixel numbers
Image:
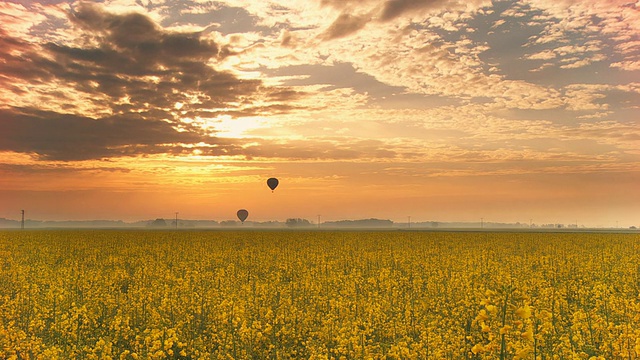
[
  {"x": 364, "y": 223},
  {"x": 297, "y": 222}
]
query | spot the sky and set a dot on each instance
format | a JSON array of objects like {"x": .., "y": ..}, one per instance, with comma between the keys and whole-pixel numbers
[{"x": 441, "y": 110}]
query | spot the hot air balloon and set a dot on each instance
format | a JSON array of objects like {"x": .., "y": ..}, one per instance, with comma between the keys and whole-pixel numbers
[
  {"x": 272, "y": 183},
  {"x": 242, "y": 215}
]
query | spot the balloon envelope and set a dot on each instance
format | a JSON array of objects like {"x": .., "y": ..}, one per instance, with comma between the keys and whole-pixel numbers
[
  {"x": 272, "y": 183},
  {"x": 242, "y": 214}
]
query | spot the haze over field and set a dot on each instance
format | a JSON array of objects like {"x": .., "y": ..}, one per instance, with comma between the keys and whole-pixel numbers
[{"x": 444, "y": 110}]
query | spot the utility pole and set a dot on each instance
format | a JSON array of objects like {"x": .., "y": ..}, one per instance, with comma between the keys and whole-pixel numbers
[
  {"x": 22, "y": 222},
  {"x": 176, "y": 219},
  {"x": 409, "y": 222}
]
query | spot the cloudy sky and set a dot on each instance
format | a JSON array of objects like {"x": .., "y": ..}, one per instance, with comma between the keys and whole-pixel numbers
[{"x": 442, "y": 110}]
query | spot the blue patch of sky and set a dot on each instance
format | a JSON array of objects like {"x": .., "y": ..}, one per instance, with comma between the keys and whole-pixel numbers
[
  {"x": 596, "y": 72},
  {"x": 542, "y": 143},
  {"x": 507, "y": 41},
  {"x": 620, "y": 99},
  {"x": 617, "y": 112},
  {"x": 229, "y": 20},
  {"x": 553, "y": 115},
  {"x": 43, "y": 29},
  {"x": 510, "y": 43},
  {"x": 555, "y": 76},
  {"x": 626, "y": 113}
]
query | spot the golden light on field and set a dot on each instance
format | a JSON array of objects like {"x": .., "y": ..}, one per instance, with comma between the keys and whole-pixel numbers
[{"x": 319, "y": 295}]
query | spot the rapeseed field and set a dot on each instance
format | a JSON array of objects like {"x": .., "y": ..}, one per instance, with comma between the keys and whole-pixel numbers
[{"x": 318, "y": 295}]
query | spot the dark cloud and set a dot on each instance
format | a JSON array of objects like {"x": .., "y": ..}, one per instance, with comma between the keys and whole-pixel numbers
[
  {"x": 391, "y": 9},
  {"x": 54, "y": 136},
  {"x": 344, "y": 25},
  {"x": 54, "y": 169},
  {"x": 388, "y": 10},
  {"x": 286, "y": 39},
  {"x": 19, "y": 59},
  {"x": 129, "y": 49},
  {"x": 139, "y": 37},
  {"x": 344, "y": 4},
  {"x": 124, "y": 56},
  {"x": 63, "y": 137},
  {"x": 133, "y": 46}
]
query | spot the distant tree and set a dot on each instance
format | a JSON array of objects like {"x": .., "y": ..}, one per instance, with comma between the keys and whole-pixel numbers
[
  {"x": 270, "y": 224},
  {"x": 158, "y": 223},
  {"x": 363, "y": 223},
  {"x": 229, "y": 223},
  {"x": 297, "y": 222}
]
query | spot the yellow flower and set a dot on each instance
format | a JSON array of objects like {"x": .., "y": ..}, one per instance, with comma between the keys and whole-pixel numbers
[
  {"x": 528, "y": 335},
  {"x": 545, "y": 315},
  {"x": 505, "y": 329},
  {"x": 485, "y": 327},
  {"x": 524, "y": 312},
  {"x": 477, "y": 348},
  {"x": 482, "y": 316},
  {"x": 492, "y": 309},
  {"x": 521, "y": 354}
]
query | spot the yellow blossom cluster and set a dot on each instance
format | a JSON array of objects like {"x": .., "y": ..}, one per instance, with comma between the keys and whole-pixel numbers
[{"x": 318, "y": 295}]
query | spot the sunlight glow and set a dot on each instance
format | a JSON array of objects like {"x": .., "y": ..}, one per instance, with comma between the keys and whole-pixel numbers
[{"x": 226, "y": 126}]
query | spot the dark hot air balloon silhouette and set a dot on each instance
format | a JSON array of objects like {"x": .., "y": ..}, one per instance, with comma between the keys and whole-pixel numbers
[
  {"x": 272, "y": 183},
  {"x": 242, "y": 215}
]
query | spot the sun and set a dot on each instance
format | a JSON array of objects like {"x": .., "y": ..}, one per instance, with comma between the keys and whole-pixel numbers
[
  {"x": 243, "y": 127},
  {"x": 229, "y": 127}
]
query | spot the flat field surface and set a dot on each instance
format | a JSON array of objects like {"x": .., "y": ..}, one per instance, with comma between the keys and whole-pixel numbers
[{"x": 318, "y": 295}]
